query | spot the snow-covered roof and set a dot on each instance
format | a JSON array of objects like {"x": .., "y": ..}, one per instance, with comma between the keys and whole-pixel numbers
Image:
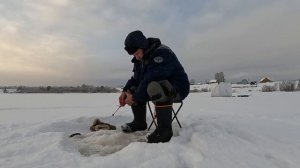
[{"x": 213, "y": 81}]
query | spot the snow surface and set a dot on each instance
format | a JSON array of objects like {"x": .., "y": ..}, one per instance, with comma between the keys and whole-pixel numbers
[{"x": 260, "y": 131}]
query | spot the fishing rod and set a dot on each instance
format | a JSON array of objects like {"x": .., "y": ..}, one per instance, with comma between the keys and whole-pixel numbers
[{"x": 116, "y": 111}]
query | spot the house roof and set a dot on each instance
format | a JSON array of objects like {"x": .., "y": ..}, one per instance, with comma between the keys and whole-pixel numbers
[{"x": 265, "y": 79}]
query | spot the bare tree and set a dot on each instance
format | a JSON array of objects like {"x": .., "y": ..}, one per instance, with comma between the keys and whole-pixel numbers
[
  {"x": 267, "y": 88},
  {"x": 287, "y": 86},
  {"x": 220, "y": 77}
]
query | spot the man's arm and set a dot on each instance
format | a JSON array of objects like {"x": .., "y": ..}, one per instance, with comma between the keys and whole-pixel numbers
[{"x": 131, "y": 82}]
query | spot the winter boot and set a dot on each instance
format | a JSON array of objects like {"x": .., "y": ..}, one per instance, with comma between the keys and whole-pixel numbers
[
  {"x": 163, "y": 132},
  {"x": 139, "y": 121}
]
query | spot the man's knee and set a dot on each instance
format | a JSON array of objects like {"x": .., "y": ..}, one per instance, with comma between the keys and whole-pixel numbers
[{"x": 158, "y": 91}]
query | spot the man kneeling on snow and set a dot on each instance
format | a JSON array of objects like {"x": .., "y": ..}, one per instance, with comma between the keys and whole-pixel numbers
[{"x": 158, "y": 77}]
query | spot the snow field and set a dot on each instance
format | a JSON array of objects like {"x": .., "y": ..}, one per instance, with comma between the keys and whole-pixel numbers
[{"x": 258, "y": 131}]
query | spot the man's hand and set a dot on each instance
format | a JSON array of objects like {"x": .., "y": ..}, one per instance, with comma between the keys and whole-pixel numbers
[
  {"x": 129, "y": 99},
  {"x": 122, "y": 99}
]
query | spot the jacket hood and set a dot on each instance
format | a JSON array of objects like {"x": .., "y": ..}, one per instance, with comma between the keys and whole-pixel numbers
[{"x": 153, "y": 44}]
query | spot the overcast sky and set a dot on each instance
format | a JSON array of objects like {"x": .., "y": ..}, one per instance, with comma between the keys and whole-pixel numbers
[{"x": 71, "y": 42}]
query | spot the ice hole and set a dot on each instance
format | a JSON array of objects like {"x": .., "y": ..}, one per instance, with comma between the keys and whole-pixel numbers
[{"x": 105, "y": 142}]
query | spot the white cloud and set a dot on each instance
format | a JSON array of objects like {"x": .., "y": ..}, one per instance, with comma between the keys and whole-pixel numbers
[
  {"x": 266, "y": 36},
  {"x": 63, "y": 41}
]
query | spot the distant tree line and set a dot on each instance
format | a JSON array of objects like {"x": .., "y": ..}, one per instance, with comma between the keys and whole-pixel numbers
[
  {"x": 287, "y": 86},
  {"x": 66, "y": 89}
]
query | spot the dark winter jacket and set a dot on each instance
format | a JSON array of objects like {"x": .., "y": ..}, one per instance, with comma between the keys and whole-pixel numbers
[{"x": 159, "y": 63}]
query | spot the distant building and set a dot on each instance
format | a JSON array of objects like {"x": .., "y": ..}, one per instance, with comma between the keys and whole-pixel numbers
[
  {"x": 213, "y": 81},
  {"x": 243, "y": 82},
  {"x": 265, "y": 80}
]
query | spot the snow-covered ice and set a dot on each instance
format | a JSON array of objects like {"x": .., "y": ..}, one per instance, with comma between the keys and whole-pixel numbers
[{"x": 218, "y": 132}]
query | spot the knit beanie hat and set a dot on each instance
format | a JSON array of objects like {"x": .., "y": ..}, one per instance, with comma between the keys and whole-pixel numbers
[{"x": 134, "y": 41}]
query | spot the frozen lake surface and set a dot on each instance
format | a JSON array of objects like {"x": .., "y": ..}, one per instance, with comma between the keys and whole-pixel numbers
[{"x": 261, "y": 130}]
